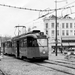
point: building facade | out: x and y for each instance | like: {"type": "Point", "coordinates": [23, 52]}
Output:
{"type": "Point", "coordinates": [65, 30]}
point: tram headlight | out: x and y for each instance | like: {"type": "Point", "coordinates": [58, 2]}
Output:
{"type": "Point", "coordinates": [44, 52]}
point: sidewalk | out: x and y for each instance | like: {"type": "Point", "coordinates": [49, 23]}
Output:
{"type": "Point", "coordinates": [58, 57]}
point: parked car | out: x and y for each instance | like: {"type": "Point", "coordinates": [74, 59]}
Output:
{"type": "Point", "coordinates": [69, 52]}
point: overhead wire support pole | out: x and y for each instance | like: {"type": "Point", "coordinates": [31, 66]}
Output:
{"type": "Point", "coordinates": [56, 27]}
{"type": "Point", "coordinates": [56, 40]}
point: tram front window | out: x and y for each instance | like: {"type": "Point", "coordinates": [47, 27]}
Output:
{"type": "Point", "coordinates": [42, 42]}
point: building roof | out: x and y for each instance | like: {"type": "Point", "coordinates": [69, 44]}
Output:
{"type": "Point", "coordinates": [52, 17]}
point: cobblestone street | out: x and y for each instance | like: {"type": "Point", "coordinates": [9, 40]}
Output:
{"type": "Point", "coordinates": [56, 66]}
{"type": "Point", "coordinates": [12, 66]}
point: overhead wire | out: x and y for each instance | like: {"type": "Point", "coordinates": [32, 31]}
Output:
{"type": "Point", "coordinates": [32, 9]}
{"type": "Point", "coordinates": [70, 7]}
{"type": "Point", "coordinates": [53, 11]}
{"type": "Point", "coordinates": [64, 7]}
{"type": "Point", "coordinates": [68, 4]}
{"type": "Point", "coordinates": [25, 8]}
{"type": "Point", "coordinates": [44, 16]}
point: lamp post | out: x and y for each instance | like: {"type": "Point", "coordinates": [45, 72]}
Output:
{"type": "Point", "coordinates": [56, 27]}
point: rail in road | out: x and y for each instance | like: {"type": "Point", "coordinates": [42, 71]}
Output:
{"type": "Point", "coordinates": [1, 72]}
{"type": "Point", "coordinates": [58, 66]}
{"type": "Point", "coordinates": [65, 62]}
{"type": "Point", "coordinates": [68, 65]}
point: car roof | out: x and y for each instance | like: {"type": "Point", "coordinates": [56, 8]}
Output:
{"type": "Point", "coordinates": [70, 50]}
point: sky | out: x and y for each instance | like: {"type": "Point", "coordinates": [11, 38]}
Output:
{"type": "Point", "coordinates": [11, 17]}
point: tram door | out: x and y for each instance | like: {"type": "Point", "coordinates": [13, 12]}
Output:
{"type": "Point", "coordinates": [17, 49]}
{"type": "Point", "coordinates": [3, 45]}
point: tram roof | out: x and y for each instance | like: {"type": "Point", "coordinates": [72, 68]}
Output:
{"type": "Point", "coordinates": [34, 34]}
{"type": "Point", "coordinates": [29, 35]}
{"type": "Point", "coordinates": [25, 35]}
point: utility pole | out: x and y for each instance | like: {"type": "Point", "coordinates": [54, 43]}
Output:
{"type": "Point", "coordinates": [22, 27]}
{"type": "Point", "coordinates": [56, 41]}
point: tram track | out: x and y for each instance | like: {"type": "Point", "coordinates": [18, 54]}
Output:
{"type": "Point", "coordinates": [61, 64]}
{"type": "Point", "coordinates": [52, 65]}
{"type": "Point", "coordinates": [1, 72]}
{"type": "Point", "coordinates": [64, 62]}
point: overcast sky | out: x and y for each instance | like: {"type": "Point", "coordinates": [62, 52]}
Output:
{"type": "Point", "coordinates": [11, 17]}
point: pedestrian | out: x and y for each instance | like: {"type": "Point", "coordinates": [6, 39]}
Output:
{"type": "Point", "coordinates": [68, 55]}
{"type": "Point", "coordinates": [61, 49]}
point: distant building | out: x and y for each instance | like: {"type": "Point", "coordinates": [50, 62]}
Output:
{"type": "Point", "coordinates": [65, 31]}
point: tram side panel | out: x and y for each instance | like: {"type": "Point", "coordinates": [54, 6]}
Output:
{"type": "Point", "coordinates": [28, 49]}
{"type": "Point", "coordinates": [23, 47]}
{"type": "Point", "coordinates": [8, 50]}
{"type": "Point", "coordinates": [23, 52]}
{"type": "Point", "coordinates": [32, 48]}
{"type": "Point", "coordinates": [33, 52]}
{"type": "Point", "coordinates": [14, 48]}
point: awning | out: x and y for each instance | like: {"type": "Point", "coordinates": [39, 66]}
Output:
{"type": "Point", "coordinates": [68, 44]}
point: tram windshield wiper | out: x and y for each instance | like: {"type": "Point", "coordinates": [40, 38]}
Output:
{"type": "Point", "coordinates": [40, 44]}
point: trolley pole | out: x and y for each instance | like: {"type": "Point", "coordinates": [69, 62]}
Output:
{"type": "Point", "coordinates": [56, 27]}
{"type": "Point", "coordinates": [22, 27]}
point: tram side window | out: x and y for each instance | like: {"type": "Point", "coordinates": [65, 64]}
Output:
{"type": "Point", "coordinates": [14, 44]}
{"type": "Point", "coordinates": [32, 43]}
{"type": "Point", "coordinates": [29, 43]}
{"type": "Point", "coordinates": [5, 44]}
{"type": "Point", "coordinates": [25, 42]}
{"type": "Point", "coordinates": [10, 44]}
{"type": "Point", "coordinates": [21, 43]}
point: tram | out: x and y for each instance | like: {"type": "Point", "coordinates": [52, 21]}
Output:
{"type": "Point", "coordinates": [7, 47]}
{"type": "Point", "coordinates": [33, 45]}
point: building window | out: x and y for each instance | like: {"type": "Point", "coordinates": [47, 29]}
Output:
{"type": "Point", "coordinates": [66, 25]}
{"type": "Point", "coordinates": [46, 25]}
{"type": "Point", "coordinates": [67, 32]}
{"type": "Point", "coordinates": [63, 32]}
{"type": "Point", "coordinates": [57, 24]}
{"type": "Point", "coordinates": [71, 31]}
{"type": "Point", "coordinates": [74, 32]}
{"type": "Point", "coordinates": [46, 32]}
{"type": "Point", "coordinates": [74, 25]}
{"type": "Point", "coordinates": [52, 32]}
{"type": "Point", "coordinates": [52, 25]}
{"type": "Point", "coordinates": [63, 25]}
{"type": "Point", "coordinates": [57, 32]}
{"type": "Point", "coordinates": [70, 25]}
